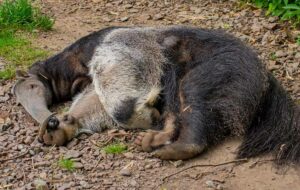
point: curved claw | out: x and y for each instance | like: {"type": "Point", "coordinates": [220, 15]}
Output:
{"type": "Point", "coordinates": [53, 123]}
{"type": "Point", "coordinates": [43, 127]}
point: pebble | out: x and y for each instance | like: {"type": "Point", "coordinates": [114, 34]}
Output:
{"type": "Point", "coordinates": [211, 184]}
{"type": "Point", "coordinates": [84, 184]}
{"type": "Point", "coordinates": [133, 183]}
{"type": "Point", "coordinates": [20, 147]}
{"type": "Point", "coordinates": [28, 140]}
{"type": "Point", "coordinates": [128, 155]}
{"type": "Point", "coordinates": [178, 163]}
{"type": "Point", "coordinates": [73, 143]}
{"type": "Point", "coordinates": [4, 98]}
{"type": "Point", "coordinates": [158, 17]}
{"type": "Point", "coordinates": [270, 26]}
{"type": "Point", "coordinates": [148, 166]}
{"type": "Point", "coordinates": [40, 184]}
{"type": "Point", "coordinates": [280, 53]}
{"type": "Point", "coordinates": [72, 154]}
{"type": "Point", "coordinates": [5, 124]}
{"type": "Point", "coordinates": [78, 165]}
{"type": "Point", "coordinates": [124, 19]}
{"type": "Point", "coordinates": [125, 172]}
{"type": "Point", "coordinates": [66, 186]}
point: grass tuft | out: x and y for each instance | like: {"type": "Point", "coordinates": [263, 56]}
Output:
{"type": "Point", "coordinates": [273, 56]}
{"type": "Point", "coordinates": [67, 164]}
{"type": "Point", "coordinates": [20, 14]}
{"type": "Point", "coordinates": [15, 46]}
{"type": "Point", "coordinates": [115, 148]}
{"type": "Point", "coordinates": [18, 51]}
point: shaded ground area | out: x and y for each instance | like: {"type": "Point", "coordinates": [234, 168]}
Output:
{"type": "Point", "coordinates": [96, 170]}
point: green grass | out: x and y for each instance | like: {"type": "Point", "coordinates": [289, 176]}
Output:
{"type": "Point", "coordinates": [18, 18]}
{"type": "Point", "coordinates": [18, 51]}
{"type": "Point", "coordinates": [273, 56]}
{"type": "Point", "coordinates": [298, 40]}
{"type": "Point", "coordinates": [66, 164]}
{"type": "Point", "coordinates": [115, 148]}
{"type": "Point", "coordinates": [20, 14]}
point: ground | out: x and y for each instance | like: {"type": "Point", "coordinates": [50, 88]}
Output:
{"type": "Point", "coordinates": [35, 164]}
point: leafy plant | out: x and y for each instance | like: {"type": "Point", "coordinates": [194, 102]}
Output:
{"type": "Point", "coordinates": [115, 148]}
{"type": "Point", "coordinates": [273, 56]}
{"type": "Point", "coordinates": [298, 40]}
{"type": "Point", "coordinates": [67, 164]}
{"type": "Point", "coordinates": [21, 14]}
{"type": "Point", "coordinates": [285, 9]}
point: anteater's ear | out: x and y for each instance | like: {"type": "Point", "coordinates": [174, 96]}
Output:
{"type": "Point", "coordinates": [21, 74]}
{"type": "Point", "coordinates": [171, 42]}
{"type": "Point", "coordinates": [179, 48]}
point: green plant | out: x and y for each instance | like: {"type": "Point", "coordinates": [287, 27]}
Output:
{"type": "Point", "coordinates": [21, 14]}
{"type": "Point", "coordinates": [115, 148]}
{"type": "Point", "coordinates": [66, 164]}
{"type": "Point", "coordinates": [18, 51]}
{"type": "Point", "coordinates": [285, 9]}
{"type": "Point", "coordinates": [298, 40]}
{"type": "Point", "coordinates": [273, 56]}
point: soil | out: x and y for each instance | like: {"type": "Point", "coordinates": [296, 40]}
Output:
{"type": "Point", "coordinates": [26, 164]}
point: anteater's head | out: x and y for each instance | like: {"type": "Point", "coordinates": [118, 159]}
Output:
{"type": "Point", "coordinates": [33, 94]}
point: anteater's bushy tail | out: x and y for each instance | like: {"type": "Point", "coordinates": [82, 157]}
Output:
{"type": "Point", "coordinates": [275, 129]}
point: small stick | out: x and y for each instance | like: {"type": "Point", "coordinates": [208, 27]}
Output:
{"type": "Point", "coordinates": [206, 165]}
{"type": "Point", "coordinates": [15, 157]}
{"type": "Point", "coordinates": [96, 164]}
{"type": "Point", "coordinates": [6, 186]}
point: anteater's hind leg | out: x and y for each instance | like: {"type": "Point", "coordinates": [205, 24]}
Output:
{"type": "Point", "coordinates": [216, 98]}
{"type": "Point", "coordinates": [153, 139]}
{"type": "Point", "coordinates": [188, 126]}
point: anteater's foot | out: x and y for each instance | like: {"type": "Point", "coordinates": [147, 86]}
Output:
{"type": "Point", "coordinates": [58, 130]}
{"type": "Point", "coordinates": [178, 151]}
{"type": "Point", "coordinates": [152, 140]}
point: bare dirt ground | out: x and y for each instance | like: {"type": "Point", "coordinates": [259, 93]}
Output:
{"type": "Point", "coordinates": [37, 164]}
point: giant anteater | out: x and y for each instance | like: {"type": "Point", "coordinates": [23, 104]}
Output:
{"type": "Point", "coordinates": [198, 85]}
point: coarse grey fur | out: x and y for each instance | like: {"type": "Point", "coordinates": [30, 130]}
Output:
{"type": "Point", "coordinates": [210, 83]}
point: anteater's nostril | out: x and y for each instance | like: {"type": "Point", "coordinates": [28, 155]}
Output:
{"type": "Point", "coordinates": [53, 123]}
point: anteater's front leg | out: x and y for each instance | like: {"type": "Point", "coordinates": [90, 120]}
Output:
{"type": "Point", "coordinates": [86, 115]}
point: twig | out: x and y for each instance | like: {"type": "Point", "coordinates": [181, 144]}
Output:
{"type": "Point", "coordinates": [96, 164]}
{"type": "Point", "coordinates": [15, 157]}
{"type": "Point", "coordinates": [206, 165]}
{"type": "Point", "coordinates": [6, 186]}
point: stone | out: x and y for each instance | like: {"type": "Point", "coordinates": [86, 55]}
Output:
{"type": "Point", "coordinates": [124, 19]}
{"type": "Point", "coordinates": [158, 17]}
{"type": "Point", "coordinates": [73, 143]}
{"type": "Point", "coordinates": [270, 26]}
{"type": "Point", "coordinates": [72, 154]}
{"type": "Point", "coordinates": [280, 53]}
{"type": "Point", "coordinates": [128, 155]}
{"type": "Point", "coordinates": [40, 184]}
{"type": "Point", "coordinates": [84, 184]}
{"type": "Point", "coordinates": [211, 184]}
{"type": "Point", "coordinates": [28, 140]}
{"type": "Point", "coordinates": [78, 165]}
{"type": "Point", "coordinates": [125, 172]}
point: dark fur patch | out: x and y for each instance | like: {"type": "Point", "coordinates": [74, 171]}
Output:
{"type": "Point", "coordinates": [227, 91]}
{"type": "Point", "coordinates": [125, 111]}
{"type": "Point", "coordinates": [64, 68]}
